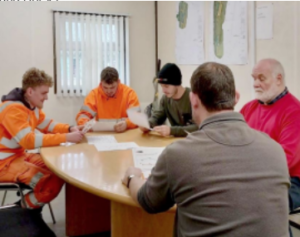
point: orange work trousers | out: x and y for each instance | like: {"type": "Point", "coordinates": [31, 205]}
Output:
{"type": "Point", "coordinates": [32, 171]}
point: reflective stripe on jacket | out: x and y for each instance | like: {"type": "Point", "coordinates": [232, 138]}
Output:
{"type": "Point", "coordinates": [22, 128]}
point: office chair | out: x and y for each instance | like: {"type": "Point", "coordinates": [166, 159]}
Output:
{"type": "Point", "coordinates": [20, 188]}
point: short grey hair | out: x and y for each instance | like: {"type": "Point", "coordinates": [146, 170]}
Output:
{"type": "Point", "coordinates": [214, 84]}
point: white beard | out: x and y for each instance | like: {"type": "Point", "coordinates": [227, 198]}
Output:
{"type": "Point", "coordinates": [266, 96]}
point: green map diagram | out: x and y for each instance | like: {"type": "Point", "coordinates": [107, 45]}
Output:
{"type": "Point", "coordinates": [182, 14]}
{"type": "Point", "coordinates": [219, 12]}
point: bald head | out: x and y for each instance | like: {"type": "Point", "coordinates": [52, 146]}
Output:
{"type": "Point", "coordinates": [268, 75]}
{"type": "Point", "coordinates": [273, 65]}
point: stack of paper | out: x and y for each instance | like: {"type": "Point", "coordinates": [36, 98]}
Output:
{"type": "Point", "coordinates": [145, 158]}
{"type": "Point", "coordinates": [109, 143]}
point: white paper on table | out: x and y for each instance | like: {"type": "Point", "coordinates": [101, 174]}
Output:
{"type": "Point", "coordinates": [138, 118]}
{"type": "Point", "coordinates": [101, 139]}
{"type": "Point", "coordinates": [264, 21]}
{"type": "Point", "coordinates": [67, 144]}
{"type": "Point", "coordinates": [115, 146]}
{"type": "Point", "coordinates": [104, 126]}
{"type": "Point", "coordinates": [145, 158]}
{"type": "Point", "coordinates": [34, 151]}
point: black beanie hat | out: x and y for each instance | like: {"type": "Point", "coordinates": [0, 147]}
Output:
{"type": "Point", "coordinates": [170, 74]}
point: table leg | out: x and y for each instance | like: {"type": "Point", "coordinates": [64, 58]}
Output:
{"type": "Point", "coordinates": [85, 213]}
{"type": "Point", "coordinates": [134, 222]}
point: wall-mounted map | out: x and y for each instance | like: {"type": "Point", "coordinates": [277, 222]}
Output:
{"type": "Point", "coordinates": [219, 16]}
{"type": "Point", "coordinates": [189, 32]}
{"type": "Point", "coordinates": [182, 14]}
{"type": "Point", "coordinates": [228, 41]}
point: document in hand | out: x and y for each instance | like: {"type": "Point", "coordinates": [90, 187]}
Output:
{"type": "Point", "coordinates": [145, 158]}
{"type": "Point", "coordinates": [100, 126]}
{"type": "Point", "coordinates": [138, 118]}
{"type": "Point", "coordinates": [88, 126]}
{"type": "Point", "coordinates": [104, 126]}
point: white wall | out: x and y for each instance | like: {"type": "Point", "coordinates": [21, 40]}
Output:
{"type": "Point", "coordinates": [284, 45]}
{"type": "Point", "coordinates": [27, 41]}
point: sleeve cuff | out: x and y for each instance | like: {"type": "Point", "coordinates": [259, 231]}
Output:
{"type": "Point", "coordinates": [144, 201]}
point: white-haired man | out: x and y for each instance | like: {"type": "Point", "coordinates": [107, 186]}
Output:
{"type": "Point", "coordinates": [276, 112]}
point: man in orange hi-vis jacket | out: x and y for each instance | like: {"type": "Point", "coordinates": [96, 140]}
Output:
{"type": "Point", "coordinates": [109, 102]}
{"type": "Point", "coordinates": [23, 126]}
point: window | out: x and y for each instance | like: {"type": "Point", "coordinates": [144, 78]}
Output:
{"type": "Point", "coordinates": [84, 45]}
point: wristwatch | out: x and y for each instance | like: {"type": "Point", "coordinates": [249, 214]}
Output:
{"type": "Point", "coordinates": [129, 179]}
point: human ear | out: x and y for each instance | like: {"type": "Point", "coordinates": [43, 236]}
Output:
{"type": "Point", "coordinates": [194, 100]}
{"type": "Point", "coordinates": [237, 97]}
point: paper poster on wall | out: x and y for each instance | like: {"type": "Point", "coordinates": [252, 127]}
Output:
{"type": "Point", "coordinates": [228, 41]}
{"type": "Point", "coordinates": [189, 32]}
{"type": "Point", "coordinates": [264, 21]}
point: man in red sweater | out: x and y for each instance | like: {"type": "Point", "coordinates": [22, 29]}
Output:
{"type": "Point", "coordinates": [276, 112]}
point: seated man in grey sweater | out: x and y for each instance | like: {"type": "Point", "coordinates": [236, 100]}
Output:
{"type": "Point", "coordinates": [174, 105]}
{"type": "Point", "coordinates": [226, 178]}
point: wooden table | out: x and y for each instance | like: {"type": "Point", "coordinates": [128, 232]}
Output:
{"type": "Point", "coordinates": [96, 200]}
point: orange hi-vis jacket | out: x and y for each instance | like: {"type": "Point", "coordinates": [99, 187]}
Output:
{"type": "Point", "coordinates": [98, 104]}
{"type": "Point", "coordinates": [22, 128]}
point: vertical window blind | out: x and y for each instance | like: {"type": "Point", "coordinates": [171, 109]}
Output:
{"type": "Point", "coordinates": [84, 44]}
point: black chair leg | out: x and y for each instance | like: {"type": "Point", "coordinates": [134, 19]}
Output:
{"type": "Point", "coordinates": [23, 203]}
{"type": "Point", "coordinates": [51, 212]}
{"type": "Point", "coordinates": [4, 197]}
